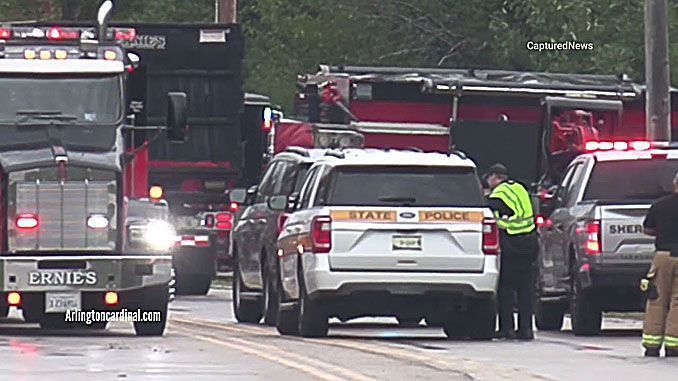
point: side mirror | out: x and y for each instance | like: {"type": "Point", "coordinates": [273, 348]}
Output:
{"type": "Point", "coordinates": [278, 203]}
{"type": "Point", "coordinates": [547, 195]}
{"type": "Point", "coordinates": [177, 109]}
{"type": "Point", "coordinates": [251, 194]}
{"type": "Point", "coordinates": [292, 201]}
{"type": "Point", "coordinates": [238, 195]}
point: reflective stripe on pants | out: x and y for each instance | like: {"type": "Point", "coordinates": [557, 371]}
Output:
{"type": "Point", "coordinates": [661, 314]}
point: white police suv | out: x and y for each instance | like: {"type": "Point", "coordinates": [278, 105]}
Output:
{"type": "Point", "coordinates": [388, 233]}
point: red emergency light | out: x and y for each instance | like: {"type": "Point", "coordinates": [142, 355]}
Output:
{"type": "Point", "coordinates": [594, 145]}
{"type": "Point", "coordinates": [56, 33]}
{"type": "Point", "coordinates": [4, 33]}
{"type": "Point", "coordinates": [125, 33]}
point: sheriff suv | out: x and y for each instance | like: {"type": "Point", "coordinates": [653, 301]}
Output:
{"type": "Point", "coordinates": [593, 252]}
{"type": "Point", "coordinates": [388, 233]}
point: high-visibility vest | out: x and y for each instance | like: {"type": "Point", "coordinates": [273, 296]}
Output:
{"type": "Point", "coordinates": [516, 197]}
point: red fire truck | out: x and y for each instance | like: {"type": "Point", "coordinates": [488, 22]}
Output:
{"type": "Point", "coordinates": [534, 123]}
{"type": "Point", "coordinates": [78, 230]}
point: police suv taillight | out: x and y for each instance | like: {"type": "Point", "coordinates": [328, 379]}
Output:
{"type": "Point", "coordinates": [490, 237]}
{"type": "Point", "coordinates": [321, 234]}
{"type": "Point", "coordinates": [592, 244]}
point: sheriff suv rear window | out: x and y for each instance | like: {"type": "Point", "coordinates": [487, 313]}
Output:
{"type": "Point", "coordinates": [403, 186]}
{"type": "Point", "coordinates": [636, 180]}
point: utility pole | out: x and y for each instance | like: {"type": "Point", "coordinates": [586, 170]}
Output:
{"type": "Point", "coordinates": [658, 102]}
{"type": "Point", "coordinates": [227, 11]}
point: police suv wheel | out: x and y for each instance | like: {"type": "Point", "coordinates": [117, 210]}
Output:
{"type": "Point", "coordinates": [482, 318]}
{"type": "Point", "coordinates": [153, 299]}
{"type": "Point", "coordinates": [585, 313]}
{"type": "Point", "coordinates": [312, 319]}
{"type": "Point", "coordinates": [246, 311]}
{"type": "Point", "coordinates": [270, 296]}
{"type": "Point", "coordinates": [287, 321]}
{"type": "Point", "coordinates": [455, 327]}
{"type": "Point", "coordinates": [549, 316]}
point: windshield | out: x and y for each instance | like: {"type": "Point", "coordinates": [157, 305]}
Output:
{"type": "Point", "coordinates": [405, 186]}
{"type": "Point", "coordinates": [77, 99]}
{"type": "Point", "coordinates": [642, 180]}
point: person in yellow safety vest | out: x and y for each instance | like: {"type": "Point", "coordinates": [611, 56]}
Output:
{"type": "Point", "coordinates": [661, 283]}
{"type": "Point", "coordinates": [512, 207]}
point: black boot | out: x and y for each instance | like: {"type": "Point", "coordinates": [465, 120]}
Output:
{"type": "Point", "coordinates": [508, 335]}
{"type": "Point", "coordinates": [525, 335]}
{"type": "Point", "coordinates": [673, 352]}
{"type": "Point", "coordinates": [651, 352]}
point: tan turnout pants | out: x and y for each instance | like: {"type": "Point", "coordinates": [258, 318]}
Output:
{"type": "Point", "coordinates": [661, 314]}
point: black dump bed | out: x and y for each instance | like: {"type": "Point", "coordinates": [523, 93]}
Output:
{"type": "Point", "coordinates": [205, 62]}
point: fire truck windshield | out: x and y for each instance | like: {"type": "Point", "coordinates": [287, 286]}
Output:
{"type": "Point", "coordinates": [76, 99]}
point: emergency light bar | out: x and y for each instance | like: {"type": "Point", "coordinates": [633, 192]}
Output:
{"type": "Point", "coordinates": [55, 33]}
{"type": "Point", "coordinates": [324, 137]}
{"type": "Point", "coordinates": [594, 146]}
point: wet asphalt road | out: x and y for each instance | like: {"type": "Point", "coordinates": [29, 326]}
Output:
{"type": "Point", "coordinates": [203, 342]}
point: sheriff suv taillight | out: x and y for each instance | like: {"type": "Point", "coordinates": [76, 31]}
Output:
{"type": "Point", "coordinates": [592, 244]}
{"type": "Point", "coordinates": [321, 232]}
{"type": "Point", "coordinates": [490, 237]}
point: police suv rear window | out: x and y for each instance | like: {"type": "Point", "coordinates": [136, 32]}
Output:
{"type": "Point", "coordinates": [404, 186]}
{"type": "Point", "coordinates": [642, 180]}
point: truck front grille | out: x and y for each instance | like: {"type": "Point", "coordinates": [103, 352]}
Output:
{"type": "Point", "coordinates": [62, 209]}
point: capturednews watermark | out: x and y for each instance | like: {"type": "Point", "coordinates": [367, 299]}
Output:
{"type": "Point", "coordinates": [93, 316]}
{"type": "Point", "coordinates": [561, 46]}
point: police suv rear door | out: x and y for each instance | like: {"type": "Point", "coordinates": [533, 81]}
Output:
{"type": "Point", "coordinates": [414, 218]}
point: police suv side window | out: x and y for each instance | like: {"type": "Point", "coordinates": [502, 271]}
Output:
{"type": "Point", "coordinates": [307, 189]}
{"type": "Point", "coordinates": [284, 178]}
{"type": "Point", "coordinates": [573, 186]}
{"type": "Point", "coordinates": [265, 186]}
{"type": "Point", "coordinates": [564, 184]}
{"type": "Point", "coordinates": [322, 192]}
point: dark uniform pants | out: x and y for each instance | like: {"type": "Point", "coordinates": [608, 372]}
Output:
{"type": "Point", "coordinates": [516, 277]}
{"type": "Point", "coordinates": [661, 313]}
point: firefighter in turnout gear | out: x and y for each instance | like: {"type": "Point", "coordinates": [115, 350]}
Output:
{"type": "Point", "coordinates": [661, 283]}
{"type": "Point", "coordinates": [512, 207]}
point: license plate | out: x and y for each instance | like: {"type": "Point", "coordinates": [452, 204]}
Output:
{"type": "Point", "coordinates": [406, 242]}
{"type": "Point", "coordinates": [62, 301]}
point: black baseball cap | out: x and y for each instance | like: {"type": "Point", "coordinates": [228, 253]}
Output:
{"type": "Point", "coordinates": [496, 169]}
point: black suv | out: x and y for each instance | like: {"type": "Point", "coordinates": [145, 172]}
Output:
{"type": "Point", "coordinates": [253, 239]}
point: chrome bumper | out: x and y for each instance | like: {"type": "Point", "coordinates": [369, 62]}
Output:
{"type": "Point", "coordinates": [84, 273]}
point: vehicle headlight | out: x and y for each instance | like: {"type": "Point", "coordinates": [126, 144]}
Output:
{"type": "Point", "coordinates": [160, 235]}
